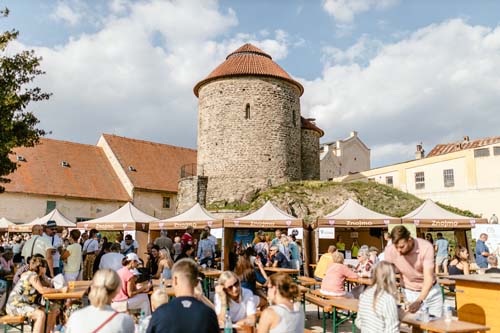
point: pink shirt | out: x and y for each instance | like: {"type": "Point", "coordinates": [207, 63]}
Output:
{"type": "Point", "coordinates": [125, 276]}
{"type": "Point", "coordinates": [411, 265]}
{"type": "Point", "coordinates": [333, 281]}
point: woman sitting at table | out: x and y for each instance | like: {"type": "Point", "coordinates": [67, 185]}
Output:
{"type": "Point", "coordinates": [364, 267]}
{"type": "Point", "coordinates": [460, 265]}
{"type": "Point", "coordinates": [105, 285]}
{"type": "Point", "coordinates": [26, 296]}
{"type": "Point", "coordinates": [136, 297]}
{"type": "Point", "coordinates": [165, 265]}
{"type": "Point", "coordinates": [378, 309]}
{"type": "Point", "coordinates": [333, 282]}
{"type": "Point", "coordinates": [241, 303]}
{"type": "Point", "coordinates": [284, 315]}
{"type": "Point", "coordinates": [249, 275]}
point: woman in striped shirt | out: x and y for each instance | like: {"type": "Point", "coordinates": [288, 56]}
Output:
{"type": "Point", "coordinates": [378, 309]}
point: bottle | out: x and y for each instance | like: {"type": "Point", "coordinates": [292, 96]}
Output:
{"type": "Point", "coordinates": [162, 282]}
{"type": "Point", "coordinates": [228, 324]}
{"type": "Point", "coordinates": [140, 326]}
{"type": "Point", "coordinates": [425, 313]}
{"type": "Point", "coordinates": [447, 315]}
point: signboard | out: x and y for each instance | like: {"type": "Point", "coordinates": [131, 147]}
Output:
{"type": "Point", "coordinates": [410, 226]}
{"type": "Point", "coordinates": [354, 234]}
{"type": "Point", "coordinates": [493, 232]}
{"type": "Point", "coordinates": [244, 237]}
{"type": "Point", "coordinates": [326, 233]}
{"type": "Point", "coordinates": [263, 224]}
{"type": "Point", "coordinates": [217, 232]}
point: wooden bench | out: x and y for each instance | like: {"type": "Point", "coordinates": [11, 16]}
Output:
{"type": "Point", "coordinates": [308, 281]}
{"type": "Point", "coordinates": [331, 304]}
{"type": "Point", "coordinates": [440, 326]}
{"type": "Point", "coordinates": [16, 322]}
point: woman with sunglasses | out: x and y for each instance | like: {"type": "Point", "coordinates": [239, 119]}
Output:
{"type": "Point", "coordinates": [240, 302]}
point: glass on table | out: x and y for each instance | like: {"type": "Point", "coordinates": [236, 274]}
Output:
{"type": "Point", "coordinates": [71, 285]}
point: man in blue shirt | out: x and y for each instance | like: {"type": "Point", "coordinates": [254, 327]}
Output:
{"type": "Point", "coordinates": [441, 248]}
{"type": "Point", "coordinates": [482, 251]}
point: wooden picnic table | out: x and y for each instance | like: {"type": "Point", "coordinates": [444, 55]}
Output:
{"type": "Point", "coordinates": [282, 270]}
{"type": "Point", "coordinates": [361, 280]}
{"type": "Point", "coordinates": [441, 326]}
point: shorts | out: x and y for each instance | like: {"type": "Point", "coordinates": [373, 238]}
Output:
{"type": "Point", "coordinates": [441, 261]}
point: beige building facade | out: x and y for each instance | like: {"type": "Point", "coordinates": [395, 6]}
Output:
{"type": "Point", "coordinates": [463, 174]}
{"type": "Point", "coordinates": [343, 157]}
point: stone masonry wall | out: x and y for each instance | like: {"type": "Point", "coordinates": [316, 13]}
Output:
{"type": "Point", "coordinates": [239, 155]}
{"type": "Point", "coordinates": [310, 154]}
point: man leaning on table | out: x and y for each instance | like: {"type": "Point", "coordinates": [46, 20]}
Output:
{"type": "Point", "coordinates": [414, 259]}
{"type": "Point", "coordinates": [482, 251]}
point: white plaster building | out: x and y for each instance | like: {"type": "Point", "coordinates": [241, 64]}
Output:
{"type": "Point", "coordinates": [343, 157]}
{"type": "Point", "coordinates": [463, 174]}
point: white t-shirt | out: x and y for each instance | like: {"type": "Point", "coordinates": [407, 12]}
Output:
{"type": "Point", "coordinates": [74, 260]}
{"type": "Point", "coordinates": [91, 245]}
{"type": "Point", "coordinates": [112, 261]}
{"type": "Point", "coordinates": [239, 311]}
{"type": "Point", "coordinates": [89, 318]}
{"type": "Point", "coordinates": [124, 246]}
{"type": "Point", "coordinates": [55, 242]}
{"type": "Point", "coordinates": [39, 244]}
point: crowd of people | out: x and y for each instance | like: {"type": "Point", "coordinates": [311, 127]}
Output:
{"type": "Point", "coordinates": [121, 281]}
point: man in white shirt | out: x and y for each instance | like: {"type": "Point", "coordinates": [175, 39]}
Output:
{"type": "Point", "coordinates": [113, 259]}
{"type": "Point", "coordinates": [129, 245]}
{"type": "Point", "coordinates": [38, 245]}
{"type": "Point", "coordinates": [50, 234]}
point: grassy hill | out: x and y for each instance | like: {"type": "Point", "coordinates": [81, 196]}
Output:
{"type": "Point", "coordinates": [311, 199]}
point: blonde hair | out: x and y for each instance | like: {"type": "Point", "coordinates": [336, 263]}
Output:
{"type": "Point", "coordinates": [104, 287]}
{"type": "Point", "coordinates": [159, 297]}
{"type": "Point", "coordinates": [338, 257]}
{"type": "Point", "coordinates": [384, 280]}
{"type": "Point", "coordinates": [225, 276]}
{"type": "Point", "coordinates": [187, 270]}
{"type": "Point", "coordinates": [166, 255]}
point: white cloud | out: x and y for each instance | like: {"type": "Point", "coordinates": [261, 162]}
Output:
{"type": "Point", "coordinates": [435, 86]}
{"type": "Point", "coordinates": [135, 75]}
{"type": "Point", "coordinates": [344, 10]}
{"type": "Point", "coordinates": [65, 13]}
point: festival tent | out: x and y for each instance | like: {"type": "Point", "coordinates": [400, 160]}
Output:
{"type": "Point", "coordinates": [128, 217]}
{"type": "Point", "coordinates": [430, 215]}
{"type": "Point", "coordinates": [351, 221]}
{"type": "Point", "coordinates": [55, 215]}
{"type": "Point", "coordinates": [196, 216]}
{"type": "Point", "coordinates": [267, 218]}
{"type": "Point", "coordinates": [4, 224]}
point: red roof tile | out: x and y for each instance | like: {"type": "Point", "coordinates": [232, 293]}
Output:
{"type": "Point", "coordinates": [446, 148]}
{"type": "Point", "coordinates": [248, 60]}
{"type": "Point", "coordinates": [308, 124]}
{"type": "Point", "coordinates": [157, 166]}
{"type": "Point", "coordinates": [89, 174]}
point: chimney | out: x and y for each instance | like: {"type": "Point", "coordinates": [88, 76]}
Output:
{"type": "Point", "coordinates": [354, 134]}
{"type": "Point", "coordinates": [466, 138]}
{"type": "Point", "coordinates": [420, 153]}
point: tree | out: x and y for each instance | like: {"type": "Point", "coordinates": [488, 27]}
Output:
{"type": "Point", "coordinates": [17, 125]}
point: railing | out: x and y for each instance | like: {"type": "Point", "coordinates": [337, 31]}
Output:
{"type": "Point", "coordinates": [189, 170]}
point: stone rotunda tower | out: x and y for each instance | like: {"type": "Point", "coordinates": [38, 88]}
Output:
{"type": "Point", "coordinates": [250, 127]}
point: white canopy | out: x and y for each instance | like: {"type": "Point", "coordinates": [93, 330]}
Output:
{"type": "Point", "coordinates": [4, 223]}
{"type": "Point", "coordinates": [267, 216]}
{"type": "Point", "coordinates": [55, 215]}
{"type": "Point", "coordinates": [352, 214]}
{"type": "Point", "coordinates": [124, 218]}
{"type": "Point", "coordinates": [430, 215]}
{"type": "Point", "coordinates": [196, 216]}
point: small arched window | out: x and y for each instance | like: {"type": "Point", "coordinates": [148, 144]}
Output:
{"type": "Point", "coordinates": [247, 111]}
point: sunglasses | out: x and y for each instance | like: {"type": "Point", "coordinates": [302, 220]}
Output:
{"type": "Point", "coordinates": [234, 285]}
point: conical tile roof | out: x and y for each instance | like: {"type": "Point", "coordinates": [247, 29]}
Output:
{"type": "Point", "coordinates": [248, 60]}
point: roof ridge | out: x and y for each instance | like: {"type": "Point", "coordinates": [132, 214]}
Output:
{"type": "Point", "coordinates": [148, 142]}
{"type": "Point", "coordinates": [68, 142]}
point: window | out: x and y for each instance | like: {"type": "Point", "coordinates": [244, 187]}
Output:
{"type": "Point", "coordinates": [419, 180]}
{"type": "Point", "coordinates": [247, 111]}
{"type": "Point", "coordinates": [83, 219]}
{"type": "Point", "coordinates": [481, 152]}
{"type": "Point", "coordinates": [166, 202]}
{"type": "Point", "coordinates": [496, 151]}
{"type": "Point", "coordinates": [448, 178]}
{"type": "Point", "coordinates": [51, 205]}
{"type": "Point", "coordinates": [389, 180]}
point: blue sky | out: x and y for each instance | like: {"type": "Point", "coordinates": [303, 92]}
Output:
{"type": "Point", "coordinates": [398, 72]}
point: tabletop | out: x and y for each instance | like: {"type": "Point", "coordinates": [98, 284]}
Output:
{"type": "Point", "coordinates": [441, 326]}
{"type": "Point", "coordinates": [211, 272]}
{"type": "Point", "coordinates": [365, 281]}
{"type": "Point", "coordinates": [281, 270]}
{"type": "Point", "coordinates": [77, 292]}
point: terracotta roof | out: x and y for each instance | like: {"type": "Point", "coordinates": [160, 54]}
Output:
{"type": "Point", "coordinates": [89, 174]}
{"type": "Point", "coordinates": [157, 166]}
{"type": "Point", "coordinates": [462, 145]}
{"type": "Point", "coordinates": [307, 124]}
{"type": "Point", "coordinates": [248, 60]}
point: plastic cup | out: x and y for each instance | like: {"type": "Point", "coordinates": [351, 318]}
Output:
{"type": "Point", "coordinates": [71, 284]}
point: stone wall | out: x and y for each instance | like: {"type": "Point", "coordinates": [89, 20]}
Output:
{"type": "Point", "coordinates": [249, 134]}
{"type": "Point", "coordinates": [310, 154]}
{"type": "Point", "coordinates": [190, 191]}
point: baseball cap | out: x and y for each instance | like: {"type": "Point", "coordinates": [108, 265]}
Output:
{"type": "Point", "coordinates": [373, 248]}
{"type": "Point", "coordinates": [132, 256]}
{"type": "Point", "coordinates": [51, 224]}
